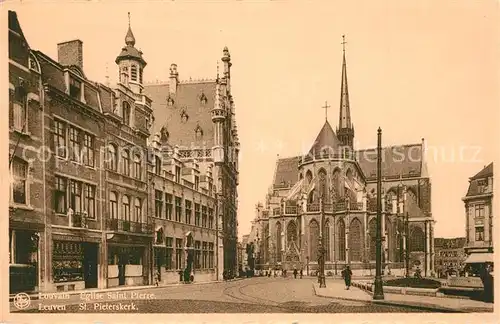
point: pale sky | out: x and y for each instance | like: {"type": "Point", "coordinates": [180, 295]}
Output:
{"type": "Point", "coordinates": [415, 68]}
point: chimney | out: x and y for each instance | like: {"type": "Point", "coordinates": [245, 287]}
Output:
{"type": "Point", "coordinates": [70, 53]}
{"type": "Point", "coordinates": [174, 78]}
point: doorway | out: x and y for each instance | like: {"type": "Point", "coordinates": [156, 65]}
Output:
{"type": "Point", "coordinates": [90, 262]}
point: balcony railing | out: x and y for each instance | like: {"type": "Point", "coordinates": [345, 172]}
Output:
{"type": "Point", "coordinates": [291, 210]}
{"type": "Point", "coordinates": [79, 220]}
{"type": "Point", "coordinates": [121, 225]}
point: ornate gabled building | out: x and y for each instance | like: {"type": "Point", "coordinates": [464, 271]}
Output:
{"type": "Point", "coordinates": [288, 225]}
{"type": "Point", "coordinates": [198, 117]}
{"type": "Point", "coordinates": [479, 219]}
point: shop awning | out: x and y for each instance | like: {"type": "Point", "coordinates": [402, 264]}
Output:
{"type": "Point", "coordinates": [479, 258]}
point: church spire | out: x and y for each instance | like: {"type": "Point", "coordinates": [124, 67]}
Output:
{"type": "Point", "coordinates": [345, 130]}
{"type": "Point", "coordinates": [129, 38]}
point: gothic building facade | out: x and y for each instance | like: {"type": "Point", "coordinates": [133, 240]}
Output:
{"type": "Point", "coordinates": [288, 226]}
{"type": "Point", "coordinates": [198, 119]}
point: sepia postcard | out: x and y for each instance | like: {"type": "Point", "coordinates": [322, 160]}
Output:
{"type": "Point", "coordinates": [249, 161]}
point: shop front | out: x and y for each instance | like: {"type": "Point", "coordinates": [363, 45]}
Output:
{"type": "Point", "coordinates": [23, 260]}
{"type": "Point", "coordinates": [75, 264]}
{"type": "Point", "coordinates": [128, 263]}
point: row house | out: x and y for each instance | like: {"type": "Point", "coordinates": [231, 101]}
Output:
{"type": "Point", "coordinates": [78, 162]}
{"type": "Point", "coordinates": [479, 220]}
{"type": "Point", "coordinates": [183, 207]}
{"type": "Point", "coordinates": [27, 174]}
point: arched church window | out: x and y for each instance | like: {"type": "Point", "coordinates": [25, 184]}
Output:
{"type": "Point", "coordinates": [417, 240]}
{"type": "Point", "coordinates": [126, 113]}
{"type": "Point", "coordinates": [309, 176]}
{"type": "Point", "coordinates": [311, 198]}
{"type": "Point", "coordinates": [279, 247]}
{"type": "Point", "coordinates": [349, 175]}
{"type": "Point", "coordinates": [337, 185]}
{"type": "Point", "coordinates": [291, 232]}
{"type": "Point", "coordinates": [133, 72]}
{"type": "Point", "coordinates": [372, 236]}
{"type": "Point", "coordinates": [355, 240]}
{"type": "Point", "coordinates": [327, 240]}
{"type": "Point", "coordinates": [313, 240]}
{"type": "Point", "coordinates": [341, 240]}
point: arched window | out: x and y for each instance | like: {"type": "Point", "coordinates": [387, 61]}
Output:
{"type": "Point", "coordinates": [126, 113]}
{"type": "Point", "coordinates": [266, 243]}
{"type": "Point", "coordinates": [19, 111]}
{"type": "Point", "coordinates": [327, 240]}
{"type": "Point", "coordinates": [309, 176]}
{"type": "Point", "coordinates": [313, 240]}
{"type": "Point", "coordinates": [341, 240]}
{"type": "Point", "coordinates": [372, 237]}
{"type": "Point", "coordinates": [137, 167]}
{"type": "Point", "coordinates": [157, 165]}
{"type": "Point", "coordinates": [126, 162]}
{"type": "Point", "coordinates": [113, 205]}
{"type": "Point", "coordinates": [112, 157]}
{"type": "Point", "coordinates": [337, 185]}
{"type": "Point", "coordinates": [322, 183]}
{"type": "Point", "coordinates": [417, 240]}
{"type": "Point", "coordinates": [279, 246]}
{"type": "Point", "coordinates": [138, 210]}
{"type": "Point", "coordinates": [311, 198]}
{"type": "Point", "coordinates": [355, 240]}
{"type": "Point", "coordinates": [125, 208]}
{"type": "Point", "coordinates": [291, 233]}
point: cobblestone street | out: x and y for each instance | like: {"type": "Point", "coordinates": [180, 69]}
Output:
{"type": "Point", "coordinates": [256, 295]}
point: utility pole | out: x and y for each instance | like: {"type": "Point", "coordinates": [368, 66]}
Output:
{"type": "Point", "coordinates": [378, 293]}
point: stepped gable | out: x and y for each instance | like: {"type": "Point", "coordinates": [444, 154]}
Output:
{"type": "Point", "coordinates": [400, 160]}
{"type": "Point", "coordinates": [182, 129]}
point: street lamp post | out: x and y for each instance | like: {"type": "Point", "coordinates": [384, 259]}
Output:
{"type": "Point", "coordinates": [407, 247]}
{"type": "Point", "coordinates": [378, 292]}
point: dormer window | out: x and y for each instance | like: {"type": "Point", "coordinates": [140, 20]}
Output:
{"type": "Point", "coordinates": [481, 185]}
{"type": "Point", "coordinates": [75, 88]}
{"type": "Point", "coordinates": [170, 101]}
{"type": "Point", "coordinates": [203, 99]}
{"type": "Point", "coordinates": [184, 116]}
{"type": "Point", "coordinates": [133, 73]}
{"type": "Point", "coordinates": [126, 113]}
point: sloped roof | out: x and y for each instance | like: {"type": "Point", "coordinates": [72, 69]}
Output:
{"type": "Point", "coordinates": [404, 160]}
{"type": "Point", "coordinates": [287, 171]}
{"type": "Point", "coordinates": [473, 189]}
{"type": "Point", "coordinates": [325, 139]}
{"type": "Point", "coordinates": [14, 24]}
{"type": "Point", "coordinates": [52, 74]}
{"type": "Point", "coordinates": [487, 171]}
{"type": "Point", "coordinates": [186, 99]}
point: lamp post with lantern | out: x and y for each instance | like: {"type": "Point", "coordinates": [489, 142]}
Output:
{"type": "Point", "coordinates": [378, 291]}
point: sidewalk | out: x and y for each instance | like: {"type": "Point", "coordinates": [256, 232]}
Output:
{"type": "Point", "coordinates": [336, 289]}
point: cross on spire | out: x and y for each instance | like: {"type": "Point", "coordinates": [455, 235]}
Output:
{"type": "Point", "coordinates": [343, 43]}
{"type": "Point", "coordinates": [129, 18]}
{"type": "Point", "coordinates": [325, 107]}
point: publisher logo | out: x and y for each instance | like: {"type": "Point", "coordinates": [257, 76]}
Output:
{"type": "Point", "coordinates": [22, 301]}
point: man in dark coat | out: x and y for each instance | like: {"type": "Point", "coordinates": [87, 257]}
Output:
{"type": "Point", "coordinates": [347, 274]}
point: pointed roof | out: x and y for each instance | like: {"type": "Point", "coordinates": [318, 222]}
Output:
{"type": "Point", "coordinates": [325, 139]}
{"type": "Point", "coordinates": [345, 111]}
{"type": "Point", "coordinates": [129, 51]}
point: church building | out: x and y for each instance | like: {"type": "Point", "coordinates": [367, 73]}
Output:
{"type": "Point", "coordinates": [287, 227]}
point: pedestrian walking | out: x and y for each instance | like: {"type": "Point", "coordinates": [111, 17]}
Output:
{"type": "Point", "coordinates": [347, 274]}
{"type": "Point", "coordinates": [295, 272]}
{"type": "Point", "coordinates": [301, 273]}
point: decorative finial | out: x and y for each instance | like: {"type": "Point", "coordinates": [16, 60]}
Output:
{"type": "Point", "coordinates": [343, 43]}
{"type": "Point", "coordinates": [326, 109]}
{"type": "Point", "coordinates": [129, 18]}
{"type": "Point", "coordinates": [217, 70]}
